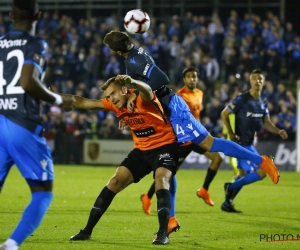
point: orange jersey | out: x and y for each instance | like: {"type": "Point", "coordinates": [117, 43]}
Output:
{"type": "Point", "coordinates": [194, 100]}
{"type": "Point", "coordinates": [149, 128]}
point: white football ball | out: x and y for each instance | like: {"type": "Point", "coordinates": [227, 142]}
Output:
{"type": "Point", "coordinates": [136, 22]}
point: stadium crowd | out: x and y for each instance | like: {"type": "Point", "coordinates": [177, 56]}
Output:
{"type": "Point", "coordinates": [224, 51]}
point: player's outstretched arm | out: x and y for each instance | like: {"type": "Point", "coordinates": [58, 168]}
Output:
{"type": "Point", "coordinates": [145, 90]}
{"type": "Point", "coordinates": [30, 82]}
{"type": "Point", "coordinates": [84, 103]}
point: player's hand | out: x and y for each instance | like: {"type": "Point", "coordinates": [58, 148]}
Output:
{"type": "Point", "coordinates": [131, 101]}
{"type": "Point", "coordinates": [283, 134]}
{"type": "Point", "coordinates": [124, 78]}
{"type": "Point", "coordinates": [68, 102]}
{"type": "Point", "coordinates": [122, 124]}
{"type": "Point", "coordinates": [234, 137]}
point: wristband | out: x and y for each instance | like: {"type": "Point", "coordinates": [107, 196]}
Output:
{"type": "Point", "coordinates": [58, 99]}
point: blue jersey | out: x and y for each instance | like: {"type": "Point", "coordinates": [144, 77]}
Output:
{"type": "Point", "coordinates": [21, 142]}
{"type": "Point", "coordinates": [141, 66]}
{"type": "Point", "coordinates": [19, 48]}
{"type": "Point", "coordinates": [250, 113]}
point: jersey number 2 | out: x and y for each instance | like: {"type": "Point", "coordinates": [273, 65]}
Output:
{"type": "Point", "coordinates": [11, 87]}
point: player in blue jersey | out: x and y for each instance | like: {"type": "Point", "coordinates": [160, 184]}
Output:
{"type": "Point", "coordinates": [141, 66]}
{"type": "Point", "coordinates": [251, 111]}
{"type": "Point", "coordinates": [21, 142]}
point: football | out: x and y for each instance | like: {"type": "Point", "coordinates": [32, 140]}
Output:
{"type": "Point", "coordinates": [136, 22]}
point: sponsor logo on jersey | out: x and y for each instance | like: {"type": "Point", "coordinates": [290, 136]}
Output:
{"type": "Point", "coordinates": [146, 69]}
{"type": "Point", "coordinates": [5, 44]}
{"type": "Point", "coordinates": [251, 114]}
{"type": "Point", "coordinates": [144, 132]}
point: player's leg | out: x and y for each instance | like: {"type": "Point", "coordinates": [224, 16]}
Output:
{"type": "Point", "coordinates": [120, 180]}
{"type": "Point", "coordinates": [235, 150]}
{"type": "Point", "coordinates": [164, 168]}
{"type": "Point", "coordinates": [173, 225]}
{"type": "Point", "coordinates": [146, 199]}
{"type": "Point", "coordinates": [249, 173]}
{"type": "Point", "coordinates": [215, 163]}
{"type": "Point", "coordinates": [162, 178]}
{"type": "Point", "coordinates": [234, 165]}
{"type": "Point", "coordinates": [33, 158]}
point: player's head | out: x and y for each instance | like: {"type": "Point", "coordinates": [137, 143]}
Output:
{"type": "Point", "coordinates": [118, 41]}
{"type": "Point", "coordinates": [116, 92]}
{"type": "Point", "coordinates": [257, 79]}
{"type": "Point", "coordinates": [190, 77]}
{"type": "Point", "coordinates": [25, 11]}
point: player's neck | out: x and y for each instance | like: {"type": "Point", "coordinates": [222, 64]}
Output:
{"type": "Point", "coordinates": [255, 93]}
{"type": "Point", "coordinates": [25, 26]}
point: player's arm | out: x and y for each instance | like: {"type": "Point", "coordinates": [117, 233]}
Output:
{"type": "Point", "coordinates": [157, 78]}
{"type": "Point", "coordinates": [30, 82]}
{"type": "Point", "coordinates": [270, 126]}
{"type": "Point", "coordinates": [84, 103]}
{"type": "Point", "coordinates": [144, 89]}
{"type": "Point", "coordinates": [225, 117]}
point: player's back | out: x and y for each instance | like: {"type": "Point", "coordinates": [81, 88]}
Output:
{"type": "Point", "coordinates": [139, 64]}
{"type": "Point", "coordinates": [19, 48]}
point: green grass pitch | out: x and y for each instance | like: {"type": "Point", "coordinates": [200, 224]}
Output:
{"type": "Point", "coordinates": [267, 209]}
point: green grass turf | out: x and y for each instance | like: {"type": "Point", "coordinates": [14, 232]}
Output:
{"type": "Point", "coordinates": [267, 209]}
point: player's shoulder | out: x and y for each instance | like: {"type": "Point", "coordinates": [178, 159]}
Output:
{"type": "Point", "coordinates": [243, 96]}
{"type": "Point", "coordinates": [38, 42]}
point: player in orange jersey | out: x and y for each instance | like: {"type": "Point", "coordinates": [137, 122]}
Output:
{"type": "Point", "coordinates": [155, 149]}
{"type": "Point", "coordinates": [193, 97]}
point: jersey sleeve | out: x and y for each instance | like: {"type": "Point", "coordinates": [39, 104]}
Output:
{"type": "Point", "coordinates": [236, 104]}
{"type": "Point", "coordinates": [35, 54]}
{"type": "Point", "coordinates": [266, 110]}
{"type": "Point", "coordinates": [142, 66]}
{"type": "Point", "coordinates": [108, 105]}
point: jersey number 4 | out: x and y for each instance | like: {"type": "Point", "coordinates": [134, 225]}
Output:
{"type": "Point", "coordinates": [11, 87]}
{"type": "Point", "coordinates": [179, 130]}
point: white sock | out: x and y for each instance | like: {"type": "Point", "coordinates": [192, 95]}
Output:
{"type": "Point", "coordinates": [11, 244]}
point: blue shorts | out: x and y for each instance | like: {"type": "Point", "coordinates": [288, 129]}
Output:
{"type": "Point", "coordinates": [25, 149]}
{"type": "Point", "coordinates": [246, 165]}
{"type": "Point", "coordinates": [184, 124]}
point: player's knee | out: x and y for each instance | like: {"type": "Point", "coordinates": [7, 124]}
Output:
{"type": "Point", "coordinates": [116, 184]}
{"type": "Point", "coordinates": [217, 159]}
{"type": "Point", "coordinates": [162, 182]}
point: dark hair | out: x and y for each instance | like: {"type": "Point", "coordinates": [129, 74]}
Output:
{"type": "Point", "coordinates": [257, 71]}
{"type": "Point", "coordinates": [189, 69]}
{"type": "Point", "coordinates": [118, 41]}
{"type": "Point", "coordinates": [112, 80]}
{"type": "Point", "coordinates": [25, 9]}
